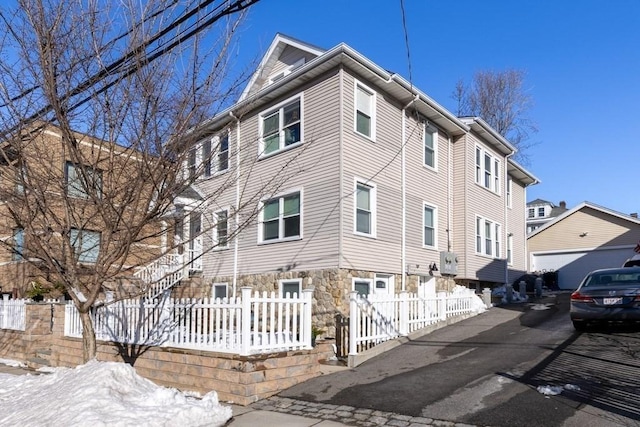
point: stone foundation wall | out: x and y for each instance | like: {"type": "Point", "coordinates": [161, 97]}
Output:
{"type": "Point", "coordinates": [238, 379]}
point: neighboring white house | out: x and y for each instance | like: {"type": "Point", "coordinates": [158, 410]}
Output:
{"type": "Point", "coordinates": [539, 212]}
{"type": "Point", "coordinates": [583, 239]}
{"type": "Point", "coordinates": [385, 189]}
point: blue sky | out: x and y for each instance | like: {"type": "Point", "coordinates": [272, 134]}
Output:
{"type": "Point", "coordinates": [582, 60]}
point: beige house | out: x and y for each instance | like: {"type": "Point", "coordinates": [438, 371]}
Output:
{"type": "Point", "coordinates": [583, 239]}
{"type": "Point", "coordinates": [379, 188]}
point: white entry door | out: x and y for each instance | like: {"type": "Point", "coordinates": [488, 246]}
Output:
{"type": "Point", "coordinates": [195, 241]}
{"type": "Point", "coordinates": [383, 284]}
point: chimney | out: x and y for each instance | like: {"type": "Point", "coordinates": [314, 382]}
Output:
{"type": "Point", "coordinates": [634, 215]}
{"type": "Point", "coordinates": [563, 204]}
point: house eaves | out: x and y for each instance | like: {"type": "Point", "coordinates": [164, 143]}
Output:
{"type": "Point", "coordinates": [579, 207]}
{"type": "Point", "coordinates": [521, 174]}
{"type": "Point", "coordinates": [489, 134]}
{"type": "Point", "coordinates": [391, 83]}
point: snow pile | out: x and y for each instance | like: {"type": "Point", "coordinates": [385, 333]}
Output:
{"type": "Point", "coordinates": [551, 390]}
{"type": "Point", "coordinates": [102, 394]}
{"type": "Point", "coordinates": [13, 363]}
{"type": "Point", "coordinates": [477, 305]}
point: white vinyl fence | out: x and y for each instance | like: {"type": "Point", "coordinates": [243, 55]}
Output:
{"type": "Point", "coordinates": [250, 324]}
{"type": "Point", "coordinates": [13, 313]}
{"type": "Point", "coordinates": [377, 318]}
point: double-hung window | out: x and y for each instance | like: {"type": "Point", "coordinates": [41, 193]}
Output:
{"type": "Point", "coordinates": [429, 226]}
{"type": "Point", "coordinates": [82, 181]}
{"type": "Point", "coordinates": [510, 249]}
{"type": "Point", "coordinates": [86, 245]}
{"type": "Point", "coordinates": [430, 146]}
{"type": "Point", "coordinates": [365, 111]}
{"type": "Point", "coordinates": [211, 155]}
{"type": "Point", "coordinates": [541, 211]}
{"type": "Point", "coordinates": [488, 237]}
{"type": "Point", "coordinates": [221, 229]}
{"type": "Point", "coordinates": [365, 209]}
{"type": "Point", "coordinates": [487, 170]}
{"type": "Point", "coordinates": [531, 213]}
{"type": "Point", "coordinates": [281, 127]}
{"type": "Point", "coordinates": [281, 218]}
{"type": "Point", "coordinates": [509, 192]}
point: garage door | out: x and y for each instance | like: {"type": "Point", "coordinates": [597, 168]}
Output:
{"type": "Point", "coordinates": [573, 266]}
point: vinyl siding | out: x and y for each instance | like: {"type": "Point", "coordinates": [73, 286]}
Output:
{"type": "Point", "coordinates": [311, 167]}
{"type": "Point", "coordinates": [477, 201]}
{"type": "Point", "coordinates": [289, 56]}
{"type": "Point", "coordinates": [379, 162]}
{"type": "Point", "coordinates": [603, 230]}
{"type": "Point", "coordinates": [517, 225]}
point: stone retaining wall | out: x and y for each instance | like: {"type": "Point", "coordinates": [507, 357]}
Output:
{"type": "Point", "coordinates": [238, 379]}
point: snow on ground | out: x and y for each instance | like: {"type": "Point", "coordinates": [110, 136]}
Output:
{"type": "Point", "coordinates": [102, 394]}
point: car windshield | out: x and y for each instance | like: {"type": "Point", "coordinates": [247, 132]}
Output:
{"type": "Point", "coordinates": [612, 279]}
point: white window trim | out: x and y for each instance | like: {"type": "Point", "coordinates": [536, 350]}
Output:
{"type": "Point", "coordinates": [373, 200]}
{"type": "Point", "coordinates": [361, 279]}
{"type": "Point", "coordinates": [281, 287]}
{"type": "Point", "coordinates": [374, 98]}
{"type": "Point", "coordinates": [281, 147]}
{"type": "Point", "coordinates": [216, 245]}
{"type": "Point", "coordinates": [509, 249]}
{"type": "Point", "coordinates": [494, 175]}
{"type": "Point", "coordinates": [435, 225]}
{"type": "Point", "coordinates": [428, 128]}
{"type": "Point", "coordinates": [509, 192]}
{"type": "Point", "coordinates": [261, 240]}
{"type": "Point", "coordinates": [495, 238]}
{"type": "Point", "coordinates": [219, 284]}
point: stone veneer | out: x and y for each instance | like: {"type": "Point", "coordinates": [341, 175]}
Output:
{"type": "Point", "coordinates": [238, 379]}
{"type": "Point", "coordinates": [331, 290]}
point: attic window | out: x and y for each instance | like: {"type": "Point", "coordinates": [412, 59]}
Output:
{"type": "Point", "coordinates": [275, 77]}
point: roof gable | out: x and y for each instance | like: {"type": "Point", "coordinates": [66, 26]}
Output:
{"type": "Point", "coordinates": [283, 56]}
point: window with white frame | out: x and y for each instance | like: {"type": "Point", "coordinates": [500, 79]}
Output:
{"type": "Point", "coordinates": [362, 286]}
{"type": "Point", "coordinates": [531, 212]}
{"type": "Point", "coordinates": [219, 290]}
{"type": "Point", "coordinates": [86, 245]}
{"type": "Point", "coordinates": [365, 209]}
{"type": "Point", "coordinates": [488, 237]}
{"type": "Point", "coordinates": [429, 226]}
{"type": "Point", "coordinates": [290, 287]}
{"type": "Point", "coordinates": [510, 249]}
{"type": "Point", "coordinates": [18, 244]}
{"type": "Point", "coordinates": [487, 170]}
{"type": "Point", "coordinates": [221, 229]}
{"type": "Point", "coordinates": [509, 192]}
{"type": "Point", "coordinates": [82, 180]}
{"type": "Point", "coordinates": [430, 146]}
{"type": "Point", "coordinates": [365, 111]}
{"type": "Point", "coordinates": [209, 157]}
{"type": "Point", "coordinates": [541, 211]}
{"type": "Point", "coordinates": [281, 218]}
{"type": "Point", "coordinates": [281, 127]}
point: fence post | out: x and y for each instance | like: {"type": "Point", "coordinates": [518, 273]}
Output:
{"type": "Point", "coordinates": [307, 295]}
{"type": "Point", "coordinates": [245, 338]}
{"type": "Point", "coordinates": [442, 305]}
{"type": "Point", "coordinates": [5, 310]}
{"type": "Point", "coordinates": [354, 317]}
{"type": "Point", "coordinates": [404, 313]}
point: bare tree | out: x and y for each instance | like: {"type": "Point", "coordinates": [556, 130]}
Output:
{"type": "Point", "coordinates": [100, 102]}
{"type": "Point", "coordinates": [500, 99]}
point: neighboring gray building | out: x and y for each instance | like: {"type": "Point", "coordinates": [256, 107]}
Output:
{"type": "Point", "coordinates": [385, 189]}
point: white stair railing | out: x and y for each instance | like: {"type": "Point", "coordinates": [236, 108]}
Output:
{"type": "Point", "coordinates": [161, 274]}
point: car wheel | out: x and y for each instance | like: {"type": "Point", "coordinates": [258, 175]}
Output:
{"type": "Point", "coordinates": [579, 325]}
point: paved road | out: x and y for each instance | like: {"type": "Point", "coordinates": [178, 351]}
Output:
{"type": "Point", "coordinates": [486, 371]}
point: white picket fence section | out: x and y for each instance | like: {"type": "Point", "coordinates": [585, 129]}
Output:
{"type": "Point", "coordinates": [161, 274]}
{"type": "Point", "coordinates": [249, 324]}
{"type": "Point", "coordinates": [13, 313]}
{"type": "Point", "coordinates": [377, 318]}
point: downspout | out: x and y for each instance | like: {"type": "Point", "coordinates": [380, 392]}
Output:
{"type": "Point", "coordinates": [340, 168]}
{"type": "Point", "coordinates": [403, 185]}
{"type": "Point", "coordinates": [237, 213]}
{"type": "Point", "coordinates": [505, 233]}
